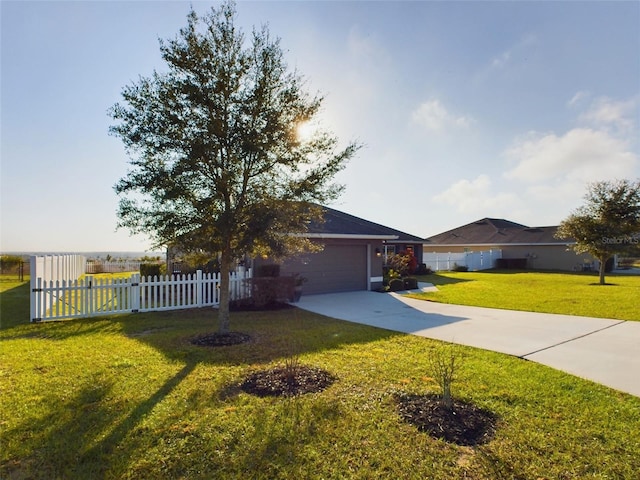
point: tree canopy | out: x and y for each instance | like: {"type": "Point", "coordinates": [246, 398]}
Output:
{"type": "Point", "coordinates": [608, 223]}
{"type": "Point", "coordinates": [216, 162]}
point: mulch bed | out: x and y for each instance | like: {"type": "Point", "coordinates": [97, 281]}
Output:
{"type": "Point", "coordinates": [234, 338]}
{"type": "Point", "coordinates": [287, 381]}
{"type": "Point", "coordinates": [220, 339]}
{"type": "Point", "coordinates": [465, 424]}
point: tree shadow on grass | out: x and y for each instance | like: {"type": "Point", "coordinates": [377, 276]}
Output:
{"type": "Point", "coordinates": [99, 430]}
{"type": "Point", "coordinates": [278, 439]}
{"type": "Point", "coordinates": [439, 279]}
{"type": "Point", "coordinates": [69, 441]}
{"type": "Point", "coordinates": [274, 335]}
{"type": "Point", "coordinates": [14, 306]}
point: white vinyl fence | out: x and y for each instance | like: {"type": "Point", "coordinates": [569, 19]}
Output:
{"type": "Point", "coordinates": [474, 261]}
{"type": "Point", "coordinates": [99, 266]}
{"type": "Point", "coordinates": [51, 269]}
{"type": "Point", "coordinates": [90, 296]}
{"type": "Point", "coordinates": [57, 267]}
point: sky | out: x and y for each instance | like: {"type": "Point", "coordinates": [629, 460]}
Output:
{"type": "Point", "coordinates": [466, 110]}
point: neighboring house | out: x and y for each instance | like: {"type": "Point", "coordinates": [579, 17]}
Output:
{"type": "Point", "coordinates": [522, 246]}
{"type": "Point", "coordinates": [352, 257]}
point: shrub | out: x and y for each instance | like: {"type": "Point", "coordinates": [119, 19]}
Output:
{"type": "Point", "coordinates": [267, 291]}
{"type": "Point", "coordinates": [444, 363]}
{"type": "Point", "coordinates": [423, 269]}
{"type": "Point", "coordinates": [269, 270]}
{"type": "Point", "coordinates": [396, 284]}
{"type": "Point", "coordinates": [399, 263]}
{"type": "Point", "coordinates": [152, 269]}
{"type": "Point", "coordinates": [410, 283]}
{"type": "Point", "coordinates": [11, 264]}
{"type": "Point", "coordinates": [389, 274]}
{"type": "Point", "coordinates": [460, 268]}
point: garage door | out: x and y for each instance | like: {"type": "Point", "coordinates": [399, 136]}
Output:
{"type": "Point", "coordinates": [338, 268]}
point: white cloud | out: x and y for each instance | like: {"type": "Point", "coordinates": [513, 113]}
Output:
{"type": "Point", "coordinates": [578, 98]}
{"type": "Point", "coordinates": [617, 115]}
{"type": "Point", "coordinates": [582, 154]}
{"type": "Point", "coordinates": [477, 196]}
{"type": "Point", "coordinates": [433, 116]}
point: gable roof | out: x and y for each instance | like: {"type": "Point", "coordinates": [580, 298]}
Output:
{"type": "Point", "coordinates": [338, 224]}
{"type": "Point", "coordinates": [496, 231]}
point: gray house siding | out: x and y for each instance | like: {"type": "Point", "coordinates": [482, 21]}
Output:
{"type": "Point", "coordinates": [343, 265]}
{"type": "Point", "coordinates": [352, 255]}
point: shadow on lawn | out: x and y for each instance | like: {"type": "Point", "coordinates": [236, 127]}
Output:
{"type": "Point", "coordinates": [274, 335]}
{"type": "Point", "coordinates": [87, 435]}
{"type": "Point", "coordinates": [438, 279]}
{"type": "Point", "coordinates": [14, 306]}
{"type": "Point", "coordinates": [68, 442]}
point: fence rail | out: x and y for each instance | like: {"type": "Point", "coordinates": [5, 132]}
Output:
{"type": "Point", "coordinates": [473, 261]}
{"type": "Point", "coordinates": [91, 296]}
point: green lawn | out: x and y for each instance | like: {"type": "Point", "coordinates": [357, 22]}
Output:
{"type": "Point", "coordinates": [567, 293]}
{"type": "Point", "coordinates": [130, 397]}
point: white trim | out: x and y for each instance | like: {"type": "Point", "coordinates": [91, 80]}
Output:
{"type": "Point", "coordinates": [398, 240]}
{"type": "Point", "coordinates": [353, 236]}
{"type": "Point", "coordinates": [498, 245]}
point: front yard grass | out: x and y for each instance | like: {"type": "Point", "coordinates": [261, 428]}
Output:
{"type": "Point", "coordinates": [130, 397]}
{"type": "Point", "coordinates": [547, 292]}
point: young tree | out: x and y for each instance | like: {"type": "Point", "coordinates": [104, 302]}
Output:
{"type": "Point", "coordinates": [217, 165]}
{"type": "Point", "coordinates": [609, 222]}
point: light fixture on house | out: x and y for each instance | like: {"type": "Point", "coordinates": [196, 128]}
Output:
{"type": "Point", "coordinates": [378, 252]}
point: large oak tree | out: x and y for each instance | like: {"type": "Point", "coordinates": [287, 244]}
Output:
{"type": "Point", "coordinates": [217, 165]}
{"type": "Point", "coordinates": [608, 223]}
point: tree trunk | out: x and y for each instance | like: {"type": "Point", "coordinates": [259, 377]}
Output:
{"type": "Point", "coordinates": [223, 308]}
{"type": "Point", "coordinates": [603, 266]}
{"type": "Point", "coordinates": [447, 399]}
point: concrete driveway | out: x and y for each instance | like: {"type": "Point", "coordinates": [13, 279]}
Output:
{"type": "Point", "coordinates": [605, 351]}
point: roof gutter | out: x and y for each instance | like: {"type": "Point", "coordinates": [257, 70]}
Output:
{"type": "Point", "coordinates": [499, 245]}
{"type": "Point", "coordinates": [349, 236]}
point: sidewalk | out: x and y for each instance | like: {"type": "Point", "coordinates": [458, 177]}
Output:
{"type": "Point", "coordinates": [605, 351]}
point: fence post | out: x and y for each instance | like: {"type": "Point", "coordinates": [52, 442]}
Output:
{"type": "Point", "coordinates": [36, 299]}
{"type": "Point", "coordinates": [199, 288]}
{"type": "Point", "coordinates": [135, 293]}
{"type": "Point", "coordinates": [246, 292]}
{"type": "Point", "coordinates": [88, 292]}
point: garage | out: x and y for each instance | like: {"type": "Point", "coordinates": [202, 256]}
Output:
{"type": "Point", "coordinates": [337, 268]}
{"type": "Point", "coordinates": [352, 255]}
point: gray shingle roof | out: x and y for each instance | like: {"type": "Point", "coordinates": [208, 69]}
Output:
{"type": "Point", "coordinates": [496, 231]}
{"type": "Point", "coordinates": [340, 223]}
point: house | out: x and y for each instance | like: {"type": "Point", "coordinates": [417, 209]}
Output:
{"type": "Point", "coordinates": [352, 257]}
{"type": "Point", "coordinates": [522, 246]}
